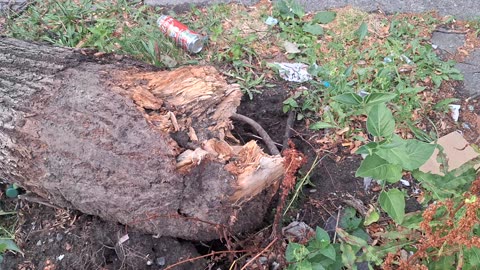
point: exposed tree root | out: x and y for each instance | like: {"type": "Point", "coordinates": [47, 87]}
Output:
{"type": "Point", "coordinates": [256, 126]}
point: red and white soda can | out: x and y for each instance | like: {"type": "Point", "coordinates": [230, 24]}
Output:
{"type": "Point", "coordinates": [184, 37]}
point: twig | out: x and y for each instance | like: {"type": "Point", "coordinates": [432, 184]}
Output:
{"type": "Point", "coordinates": [288, 129]}
{"type": "Point", "coordinates": [330, 176]}
{"type": "Point", "coordinates": [37, 199]}
{"type": "Point", "coordinates": [472, 97]}
{"type": "Point", "coordinates": [256, 126]}
{"type": "Point", "coordinates": [336, 225]}
{"type": "Point", "coordinates": [213, 253]}
{"type": "Point", "coordinates": [449, 31]}
{"type": "Point", "coordinates": [258, 255]}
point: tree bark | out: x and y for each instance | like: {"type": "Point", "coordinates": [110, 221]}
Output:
{"type": "Point", "coordinates": [149, 149]}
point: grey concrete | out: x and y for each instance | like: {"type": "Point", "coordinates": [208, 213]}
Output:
{"type": "Point", "coordinates": [463, 9]}
{"type": "Point", "coordinates": [448, 42]}
{"type": "Point", "coordinates": [471, 72]}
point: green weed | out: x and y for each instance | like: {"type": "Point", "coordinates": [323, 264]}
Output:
{"type": "Point", "coordinates": [8, 226]}
{"type": "Point", "coordinates": [124, 27]}
{"type": "Point", "coordinates": [400, 63]}
{"type": "Point", "coordinates": [445, 236]}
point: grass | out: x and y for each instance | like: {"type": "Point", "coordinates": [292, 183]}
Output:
{"type": "Point", "coordinates": [367, 53]}
{"type": "Point", "coordinates": [8, 227]}
{"type": "Point", "coordinates": [123, 27]}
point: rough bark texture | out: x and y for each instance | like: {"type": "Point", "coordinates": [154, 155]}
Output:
{"type": "Point", "coordinates": [99, 138]}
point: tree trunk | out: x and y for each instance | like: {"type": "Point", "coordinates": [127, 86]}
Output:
{"type": "Point", "coordinates": [145, 148]}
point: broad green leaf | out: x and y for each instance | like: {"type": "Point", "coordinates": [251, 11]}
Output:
{"type": "Point", "coordinates": [418, 152]}
{"type": "Point", "coordinates": [348, 71]}
{"type": "Point", "coordinates": [472, 258]}
{"type": "Point", "coordinates": [351, 239]}
{"type": "Point", "coordinates": [443, 263]}
{"type": "Point", "coordinates": [317, 266]}
{"type": "Point", "coordinates": [393, 202]}
{"type": "Point", "coordinates": [360, 233]}
{"type": "Point", "coordinates": [412, 220]}
{"type": "Point", "coordinates": [349, 220]}
{"type": "Point", "coordinates": [324, 17]}
{"type": "Point", "coordinates": [377, 168]}
{"type": "Point", "coordinates": [396, 155]}
{"type": "Point", "coordinates": [442, 187]}
{"type": "Point", "coordinates": [304, 265]}
{"type": "Point", "coordinates": [362, 31]}
{"type": "Point", "coordinates": [290, 8]}
{"type": "Point", "coordinates": [420, 134]}
{"type": "Point", "coordinates": [321, 125]}
{"type": "Point", "coordinates": [377, 98]}
{"type": "Point", "coordinates": [314, 29]}
{"type": "Point", "coordinates": [348, 99]}
{"type": "Point", "coordinates": [296, 252]}
{"type": "Point", "coordinates": [369, 148]}
{"type": "Point", "coordinates": [348, 255]}
{"type": "Point", "coordinates": [372, 216]}
{"type": "Point", "coordinates": [380, 121]}
{"type": "Point", "coordinates": [329, 252]}
{"type": "Point", "coordinates": [410, 154]}
{"type": "Point", "coordinates": [322, 235]}
{"type": "Point", "coordinates": [443, 104]}
{"type": "Point", "coordinates": [8, 244]}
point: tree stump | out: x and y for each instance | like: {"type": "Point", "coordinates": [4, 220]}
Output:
{"type": "Point", "coordinates": [149, 149]}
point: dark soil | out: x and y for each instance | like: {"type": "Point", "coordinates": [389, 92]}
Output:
{"type": "Point", "coordinates": [54, 239]}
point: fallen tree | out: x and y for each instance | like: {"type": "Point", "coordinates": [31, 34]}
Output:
{"type": "Point", "coordinates": [149, 149]}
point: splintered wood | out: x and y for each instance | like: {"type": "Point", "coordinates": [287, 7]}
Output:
{"type": "Point", "coordinates": [198, 102]}
{"type": "Point", "coordinates": [193, 99]}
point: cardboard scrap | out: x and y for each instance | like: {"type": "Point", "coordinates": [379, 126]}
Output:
{"type": "Point", "coordinates": [457, 151]}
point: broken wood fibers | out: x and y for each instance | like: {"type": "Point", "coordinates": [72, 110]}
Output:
{"type": "Point", "coordinates": [197, 101]}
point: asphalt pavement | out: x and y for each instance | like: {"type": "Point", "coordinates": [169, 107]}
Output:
{"type": "Point", "coordinates": [462, 9]}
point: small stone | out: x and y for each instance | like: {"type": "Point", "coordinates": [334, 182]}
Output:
{"type": "Point", "coordinates": [149, 263]}
{"type": "Point", "coordinates": [466, 126]}
{"type": "Point", "coordinates": [275, 266]}
{"type": "Point", "coordinates": [59, 237]}
{"type": "Point", "coordinates": [50, 240]}
{"type": "Point", "coordinates": [312, 190]}
{"type": "Point", "coordinates": [39, 243]}
{"type": "Point", "coordinates": [160, 261]}
{"type": "Point", "coordinates": [118, 57]}
{"type": "Point", "coordinates": [471, 108]}
{"type": "Point", "coordinates": [59, 258]}
{"type": "Point", "coordinates": [298, 231]}
{"type": "Point", "coordinates": [263, 260]}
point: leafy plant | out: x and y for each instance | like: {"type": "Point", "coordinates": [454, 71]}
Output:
{"type": "Point", "coordinates": [321, 253]}
{"type": "Point", "coordinates": [7, 242]}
